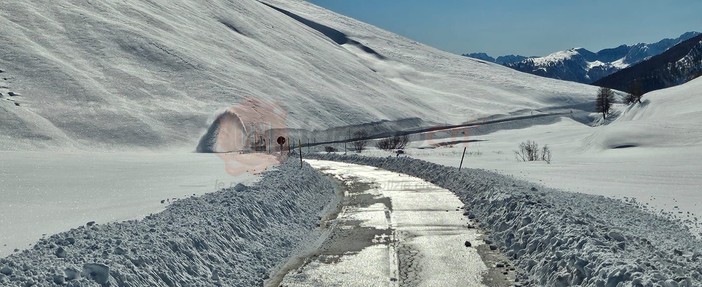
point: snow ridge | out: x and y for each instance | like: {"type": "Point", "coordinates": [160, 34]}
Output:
{"type": "Point", "coordinates": [561, 238]}
{"type": "Point", "coordinates": [232, 237]}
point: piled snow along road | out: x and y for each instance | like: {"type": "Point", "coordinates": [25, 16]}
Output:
{"type": "Point", "coordinates": [233, 237]}
{"type": "Point", "coordinates": [561, 238]}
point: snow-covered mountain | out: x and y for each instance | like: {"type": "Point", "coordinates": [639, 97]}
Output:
{"type": "Point", "coordinates": [677, 65]}
{"type": "Point", "coordinates": [584, 66]}
{"type": "Point", "coordinates": [502, 60]}
{"type": "Point", "coordinates": [130, 74]}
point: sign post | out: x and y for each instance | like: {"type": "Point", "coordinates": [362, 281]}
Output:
{"type": "Point", "coordinates": [281, 142]}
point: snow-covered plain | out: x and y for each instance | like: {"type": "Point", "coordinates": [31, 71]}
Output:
{"type": "Point", "coordinates": [46, 193]}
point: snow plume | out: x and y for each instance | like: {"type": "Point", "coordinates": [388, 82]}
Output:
{"type": "Point", "coordinates": [564, 239]}
{"type": "Point", "coordinates": [232, 237]}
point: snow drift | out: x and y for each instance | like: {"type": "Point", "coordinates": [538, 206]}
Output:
{"type": "Point", "coordinates": [233, 237]}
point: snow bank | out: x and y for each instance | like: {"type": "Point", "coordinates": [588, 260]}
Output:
{"type": "Point", "coordinates": [232, 237]}
{"type": "Point", "coordinates": [561, 238]}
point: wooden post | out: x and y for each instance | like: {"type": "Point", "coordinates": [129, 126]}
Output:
{"type": "Point", "coordinates": [464, 155]}
{"type": "Point", "coordinates": [300, 150]}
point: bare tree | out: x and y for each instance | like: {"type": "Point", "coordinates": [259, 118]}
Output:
{"type": "Point", "coordinates": [395, 142]}
{"type": "Point", "coordinates": [360, 140]}
{"type": "Point", "coordinates": [546, 154]}
{"type": "Point", "coordinates": [401, 140]}
{"type": "Point", "coordinates": [635, 93]}
{"type": "Point", "coordinates": [605, 99]}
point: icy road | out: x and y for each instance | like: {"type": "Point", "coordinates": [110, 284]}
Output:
{"type": "Point", "coordinates": [393, 230]}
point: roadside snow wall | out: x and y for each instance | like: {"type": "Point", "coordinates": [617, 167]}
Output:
{"type": "Point", "coordinates": [560, 238]}
{"type": "Point", "coordinates": [233, 237]}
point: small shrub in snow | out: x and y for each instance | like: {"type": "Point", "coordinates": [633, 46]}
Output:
{"type": "Point", "coordinates": [392, 143]}
{"type": "Point", "coordinates": [360, 140]}
{"type": "Point", "coordinates": [546, 154]}
{"type": "Point", "coordinates": [384, 144]}
{"type": "Point", "coordinates": [330, 149]}
{"type": "Point", "coordinates": [401, 142]}
{"type": "Point", "coordinates": [529, 151]}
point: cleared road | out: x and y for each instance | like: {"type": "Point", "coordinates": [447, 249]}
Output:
{"type": "Point", "coordinates": [394, 230]}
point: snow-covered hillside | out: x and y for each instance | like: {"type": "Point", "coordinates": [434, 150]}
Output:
{"type": "Point", "coordinates": [115, 75]}
{"type": "Point", "coordinates": [665, 118]}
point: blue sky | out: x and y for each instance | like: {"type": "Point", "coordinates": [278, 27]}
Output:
{"type": "Point", "coordinates": [526, 27]}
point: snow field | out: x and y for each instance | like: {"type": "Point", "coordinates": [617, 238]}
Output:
{"type": "Point", "coordinates": [50, 192]}
{"type": "Point", "coordinates": [232, 237]}
{"type": "Point", "coordinates": [561, 238]}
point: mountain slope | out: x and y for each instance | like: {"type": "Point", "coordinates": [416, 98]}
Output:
{"type": "Point", "coordinates": [129, 74]}
{"type": "Point", "coordinates": [675, 66]}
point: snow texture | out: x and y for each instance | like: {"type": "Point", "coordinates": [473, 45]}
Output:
{"type": "Point", "coordinates": [561, 238]}
{"type": "Point", "coordinates": [232, 237]}
{"type": "Point", "coordinates": [116, 75]}
{"type": "Point", "coordinates": [50, 192]}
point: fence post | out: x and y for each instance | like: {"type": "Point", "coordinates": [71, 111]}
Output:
{"type": "Point", "coordinates": [463, 156]}
{"type": "Point", "coordinates": [300, 150]}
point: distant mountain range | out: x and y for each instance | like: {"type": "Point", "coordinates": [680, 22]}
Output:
{"type": "Point", "coordinates": [502, 60]}
{"type": "Point", "coordinates": [677, 65]}
{"type": "Point", "coordinates": [582, 65]}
